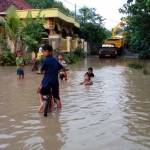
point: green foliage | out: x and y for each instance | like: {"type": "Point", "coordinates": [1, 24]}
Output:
{"type": "Point", "coordinates": [92, 28]}
{"type": "Point", "coordinates": [79, 52]}
{"type": "Point", "coordinates": [135, 65]}
{"type": "Point", "coordinates": [7, 59]}
{"type": "Point", "coordinates": [75, 56]}
{"type": "Point", "coordinates": [144, 54]}
{"type": "Point", "coordinates": [89, 15]}
{"type": "Point", "coordinates": [39, 4]}
{"type": "Point", "coordinates": [71, 58]}
{"type": "Point", "coordinates": [12, 25]}
{"type": "Point", "coordinates": [33, 32]}
{"type": "Point", "coordinates": [42, 4]}
{"type": "Point", "coordinates": [140, 66]}
{"type": "Point", "coordinates": [138, 23]}
{"type": "Point", "coordinates": [107, 33]}
{"type": "Point", "coordinates": [95, 35]}
{"type": "Point", "coordinates": [61, 7]}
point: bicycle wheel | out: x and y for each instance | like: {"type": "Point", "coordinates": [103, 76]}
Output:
{"type": "Point", "coordinates": [46, 105]}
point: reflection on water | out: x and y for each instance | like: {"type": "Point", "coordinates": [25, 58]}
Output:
{"type": "Point", "coordinates": [112, 114]}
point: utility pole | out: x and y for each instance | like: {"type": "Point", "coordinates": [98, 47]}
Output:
{"type": "Point", "coordinates": [75, 15]}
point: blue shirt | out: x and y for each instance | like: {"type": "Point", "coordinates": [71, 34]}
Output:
{"type": "Point", "coordinates": [51, 68]}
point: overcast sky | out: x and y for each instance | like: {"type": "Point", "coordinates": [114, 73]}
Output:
{"type": "Point", "coordinates": [107, 8]}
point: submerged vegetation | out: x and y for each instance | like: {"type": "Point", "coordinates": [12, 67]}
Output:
{"type": "Point", "coordinates": [139, 66]}
{"type": "Point", "coordinates": [135, 65]}
{"type": "Point", "coordinates": [74, 56]}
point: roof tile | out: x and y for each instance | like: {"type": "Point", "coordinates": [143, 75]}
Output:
{"type": "Point", "coordinates": [19, 4]}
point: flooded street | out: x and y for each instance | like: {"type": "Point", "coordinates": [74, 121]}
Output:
{"type": "Point", "coordinates": [112, 114]}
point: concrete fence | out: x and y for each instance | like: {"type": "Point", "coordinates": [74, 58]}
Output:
{"type": "Point", "coordinates": [67, 44]}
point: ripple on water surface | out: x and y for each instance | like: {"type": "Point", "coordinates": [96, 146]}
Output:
{"type": "Point", "coordinates": [112, 114]}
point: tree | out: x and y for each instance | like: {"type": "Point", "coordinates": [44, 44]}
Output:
{"type": "Point", "coordinates": [42, 4]}
{"type": "Point", "coordinates": [33, 32]}
{"type": "Point", "coordinates": [138, 23]}
{"type": "Point", "coordinates": [12, 27]}
{"type": "Point", "coordinates": [39, 4]}
{"type": "Point", "coordinates": [89, 15]}
{"type": "Point", "coordinates": [62, 8]}
{"type": "Point", "coordinates": [92, 28]}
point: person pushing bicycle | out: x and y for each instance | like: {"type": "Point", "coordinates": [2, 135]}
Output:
{"type": "Point", "coordinates": [51, 68]}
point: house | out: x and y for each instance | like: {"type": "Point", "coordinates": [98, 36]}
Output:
{"type": "Point", "coordinates": [63, 30]}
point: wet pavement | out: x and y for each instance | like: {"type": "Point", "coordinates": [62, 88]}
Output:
{"type": "Point", "coordinates": [112, 114]}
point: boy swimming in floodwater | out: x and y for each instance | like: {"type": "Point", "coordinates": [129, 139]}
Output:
{"type": "Point", "coordinates": [50, 83]}
{"type": "Point", "coordinates": [87, 80]}
{"type": "Point", "coordinates": [20, 65]}
{"type": "Point", "coordinates": [63, 72]}
{"type": "Point", "coordinates": [90, 72]}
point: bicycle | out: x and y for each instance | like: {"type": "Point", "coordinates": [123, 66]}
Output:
{"type": "Point", "coordinates": [49, 103]}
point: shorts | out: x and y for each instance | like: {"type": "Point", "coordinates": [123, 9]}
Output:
{"type": "Point", "coordinates": [46, 90]}
{"type": "Point", "coordinates": [51, 90]}
{"type": "Point", "coordinates": [20, 72]}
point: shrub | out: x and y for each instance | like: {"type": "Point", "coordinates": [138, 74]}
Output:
{"type": "Point", "coordinates": [71, 58]}
{"type": "Point", "coordinates": [145, 54]}
{"type": "Point", "coordinates": [75, 56]}
{"type": "Point", "coordinates": [145, 71]}
{"type": "Point", "coordinates": [7, 59]}
{"type": "Point", "coordinates": [79, 52]}
{"type": "Point", "coordinates": [135, 65]}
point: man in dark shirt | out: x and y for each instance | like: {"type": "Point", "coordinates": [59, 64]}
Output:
{"type": "Point", "coordinates": [51, 69]}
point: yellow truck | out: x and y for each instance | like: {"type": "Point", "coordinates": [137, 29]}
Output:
{"type": "Point", "coordinates": [117, 40]}
{"type": "Point", "coordinates": [118, 43]}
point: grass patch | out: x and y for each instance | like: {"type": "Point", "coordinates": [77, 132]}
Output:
{"type": "Point", "coordinates": [139, 66]}
{"type": "Point", "coordinates": [145, 71]}
{"type": "Point", "coordinates": [135, 65]}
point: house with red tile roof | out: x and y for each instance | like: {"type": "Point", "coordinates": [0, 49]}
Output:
{"type": "Point", "coordinates": [19, 4]}
{"type": "Point", "coordinates": [62, 30]}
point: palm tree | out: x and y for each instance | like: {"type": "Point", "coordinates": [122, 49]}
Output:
{"type": "Point", "coordinates": [12, 27]}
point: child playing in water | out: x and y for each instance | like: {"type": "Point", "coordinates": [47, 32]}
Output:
{"type": "Point", "coordinates": [87, 80]}
{"type": "Point", "coordinates": [62, 73]}
{"type": "Point", "coordinates": [50, 83]}
{"type": "Point", "coordinates": [90, 72]}
{"type": "Point", "coordinates": [20, 65]}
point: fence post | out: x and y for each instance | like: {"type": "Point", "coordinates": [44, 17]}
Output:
{"type": "Point", "coordinates": [68, 44]}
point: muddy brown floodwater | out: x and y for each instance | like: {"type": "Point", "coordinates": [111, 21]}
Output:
{"type": "Point", "coordinates": [113, 114]}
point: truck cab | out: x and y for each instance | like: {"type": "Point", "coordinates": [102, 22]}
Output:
{"type": "Point", "coordinates": [108, 50]}
{"type": "Point", "coordinates": [118, 44]}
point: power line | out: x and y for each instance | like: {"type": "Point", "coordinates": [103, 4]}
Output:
{"type": "Point", "coordinates": [69, 2]}
{"type": "Point", "coordinates": [75, 8]}
{"type": "Point", "coordinates": [73, 4]}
